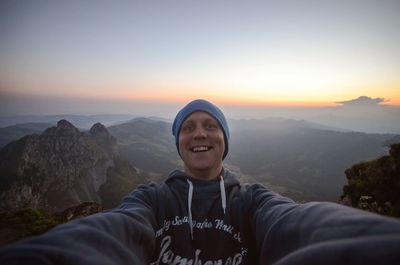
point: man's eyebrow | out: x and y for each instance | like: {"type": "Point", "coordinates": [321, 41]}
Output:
{"type": "Point", "coordinates": [188, 121]}
{"type": "Point", "coordinates": [202, 120]}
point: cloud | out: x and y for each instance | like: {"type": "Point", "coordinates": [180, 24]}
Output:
{"type": "Point", "coordinates": [362, 101]}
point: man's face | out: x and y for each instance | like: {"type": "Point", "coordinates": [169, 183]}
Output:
{"type": "Point", "coordinates": [201, 145]}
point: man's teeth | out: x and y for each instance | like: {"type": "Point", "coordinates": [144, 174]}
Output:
{"type": "Point", "coordinates": [200, 148]}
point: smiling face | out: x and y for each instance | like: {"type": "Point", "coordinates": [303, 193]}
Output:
{"type": "Point", "coordinates": [201, 145]}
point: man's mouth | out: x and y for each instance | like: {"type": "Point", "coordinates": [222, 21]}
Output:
{"type": "Point", "coordinates": [197, 149]}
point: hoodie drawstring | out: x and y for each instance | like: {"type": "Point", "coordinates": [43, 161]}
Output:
{"type": "Point", "coordinates": [190, 198]}
{"type": "Point", "coordinates": [223, 195]}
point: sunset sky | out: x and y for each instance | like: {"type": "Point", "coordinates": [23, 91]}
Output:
{"type": "Point", "coordinates": [263, 53]}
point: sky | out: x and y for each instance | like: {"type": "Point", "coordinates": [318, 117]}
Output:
{"type": "Point", "coordinates": [124, 56]}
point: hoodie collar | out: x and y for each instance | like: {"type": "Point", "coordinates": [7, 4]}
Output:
{"type": "Point", "coordinates": [225, 180]}
{"type": "Point", "coordinates": [178, 177]}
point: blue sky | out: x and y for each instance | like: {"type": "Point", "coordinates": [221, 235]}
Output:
{"type": "Point", "coordinates": [261, 53]}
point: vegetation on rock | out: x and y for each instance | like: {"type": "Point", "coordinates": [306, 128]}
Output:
{"type": "Point", "coordinates": [375, 185]}
{"type": "Point", "coordinates": [27, 222]}
{"type": "Point", "coordinates": [24, 223]}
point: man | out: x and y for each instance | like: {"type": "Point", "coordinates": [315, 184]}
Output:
{"type": "Point", "coordinates": [203, 215]}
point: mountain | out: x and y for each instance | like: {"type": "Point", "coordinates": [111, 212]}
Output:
{"type": "Point", "coordinates": [148, 144]}
{"type": "Point", "coordinates": [14, 132]}
{"type": "Point", "coordinates": [309, 161]}
{"type": "Point", "coordinates": [63, 167]}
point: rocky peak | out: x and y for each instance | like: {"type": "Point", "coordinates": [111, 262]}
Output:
{"type": "Point", "coordinates": [98, 128]}
{"type": "Point", "coordinates": [395, 151]}
{"type": "Point", "coordinates": [63, 127]}
{"type": "Point", "coordinates": [63, 167]}
{"type": "Point", "coordinates": [57, 169]}
{"type": "Point", "coordinates": [100, 134]}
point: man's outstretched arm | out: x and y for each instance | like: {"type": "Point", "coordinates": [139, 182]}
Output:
{"type": "Point", "coordinates": [120, 236]}
{"type": "Point", "coordinates": [321, 232]}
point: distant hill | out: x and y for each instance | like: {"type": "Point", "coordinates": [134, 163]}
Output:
{"type": "Point", "coordinates": [63, 167]}
{"type": "Point", "coordinates": [12, 133]}
{"type": "Point", "coordinates": [309, 161]}
{"type": "Point", "coordinates": [148, 144]}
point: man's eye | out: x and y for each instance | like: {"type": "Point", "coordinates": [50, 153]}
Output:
{"type": "Point", "coordinates": [187, 128]}
{"type": "Point", "coordinates": [211, 126]}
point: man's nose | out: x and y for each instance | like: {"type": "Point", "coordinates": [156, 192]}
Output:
{"type": "Point", "coordinates": [200, 133]}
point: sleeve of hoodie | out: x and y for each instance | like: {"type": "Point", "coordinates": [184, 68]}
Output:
{"type": "Point", "coordinates": [320, 232]}
{"type": "Point", "coordinates": [123, 235]}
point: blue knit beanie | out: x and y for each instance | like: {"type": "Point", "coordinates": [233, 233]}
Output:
{"type": "Point", "coordinates": [201, 105]}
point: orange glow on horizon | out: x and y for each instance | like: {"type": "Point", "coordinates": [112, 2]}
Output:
{"type": "Point", "coordinates": [242, 98]}
{"type": "Point", "coordinates": [394, 102]}
{"type": "Point", "coordinates": [236, 98]}
{"type": "Point", "coordinates": [176, 96]}
{"type": "Point", "coordinates": [242, 102]}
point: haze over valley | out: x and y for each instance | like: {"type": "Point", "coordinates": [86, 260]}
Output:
{"type": "Point", "coordinates": [304, 160]}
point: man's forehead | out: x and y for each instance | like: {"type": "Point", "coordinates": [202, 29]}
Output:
{"type": "Point", "coordinates": [199, 115]}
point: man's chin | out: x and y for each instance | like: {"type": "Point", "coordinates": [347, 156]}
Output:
{"type": "Point", "coordinates": [201, 168]}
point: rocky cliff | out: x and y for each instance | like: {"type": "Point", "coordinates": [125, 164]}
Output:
{"type": "Point", "coordinates": [374, 185]}
{"type": "Point", "coordinates": [62, 167]}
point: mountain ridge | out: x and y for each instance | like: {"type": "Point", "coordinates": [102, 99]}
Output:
{"type": "Point", "coordinates": [298, 159]}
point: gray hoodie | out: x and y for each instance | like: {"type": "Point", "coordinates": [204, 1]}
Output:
{"type": "Point", "coordinates": [186, 221]}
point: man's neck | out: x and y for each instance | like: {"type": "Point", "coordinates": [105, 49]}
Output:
{"type": "Point", "coordinates": [204, 174]}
